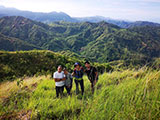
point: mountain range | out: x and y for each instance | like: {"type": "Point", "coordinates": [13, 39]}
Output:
{"type": "Point", "coordinates": [38, 16]}
{"type": "Point", "coordinates": [61, 16]}
{"type": "Point", "coordinates": [100, 42]}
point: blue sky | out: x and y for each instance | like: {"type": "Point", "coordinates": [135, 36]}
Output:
{"type": "Point", "coordinates": [132, 10]}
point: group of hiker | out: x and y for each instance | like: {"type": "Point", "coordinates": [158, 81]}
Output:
{"type": "Point", "coordinates": [64, 79]}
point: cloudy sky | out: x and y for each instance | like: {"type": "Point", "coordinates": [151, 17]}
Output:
{"type": "Point", "coordinates": [117, 9]}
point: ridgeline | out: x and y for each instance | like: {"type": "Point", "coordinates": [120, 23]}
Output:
{"type": "Point", "coordinates": [100, 42]}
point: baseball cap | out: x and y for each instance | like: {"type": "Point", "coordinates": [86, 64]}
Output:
{"type": "Point", "coordinates": [77, 64]}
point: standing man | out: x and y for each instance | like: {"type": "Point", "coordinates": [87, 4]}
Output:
{"type": "Point", "coordinates": [59, 78]}
{"type": "Point", "coordinates": [92, 74]}
{"type": "Point", "coordinates": [68, 81]}
{"type": "Point", "coordinates": [78, 74]}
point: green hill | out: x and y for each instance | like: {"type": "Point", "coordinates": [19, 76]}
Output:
{"type": "Point", "coordinates": [37, 62]}
{"type": "Point", "coordinates": [13, 44]}
{"type": "Point", "coordinates": [42, 62]}
{"type": "Point", "coordinates": [30, 63]}
{"type": "Point", "coordinates": [24, 29]}
{"type": "Point", "coordinates": [100, 42]}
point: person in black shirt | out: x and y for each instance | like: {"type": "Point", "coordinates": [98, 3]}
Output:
{"type": "Point", "coordinates": [92, 74]}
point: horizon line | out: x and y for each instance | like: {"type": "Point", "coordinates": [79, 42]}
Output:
{"type": "Point", "coordinates": [105, 17]}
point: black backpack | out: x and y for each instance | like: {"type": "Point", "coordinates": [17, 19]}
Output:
{"type": "Point", "coordinates": [90, 76]}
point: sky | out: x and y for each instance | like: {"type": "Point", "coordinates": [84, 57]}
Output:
{"type": "Point", "coordinates": [132, 10]}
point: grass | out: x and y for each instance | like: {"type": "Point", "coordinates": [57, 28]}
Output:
{"type": "Point", "coordinates": [120, 95]}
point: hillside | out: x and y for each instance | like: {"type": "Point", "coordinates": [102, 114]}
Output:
{"type": "Point", "coordinates": [142, 24]}
{"type": "Point", "coordinates": [127, 95]}
{"type": "Point", "coordinates": [24, 29]}
{"type": "Point", "coordinates": [13, 44]}
{"type": "Point", "coordinates": [100, 42]}
{"type": "Point", "coordinates": [38, 62]}
{"type": "Point", "coordinates": [30, 63]}
{"type": "Point", "coordinates": [19, 64]}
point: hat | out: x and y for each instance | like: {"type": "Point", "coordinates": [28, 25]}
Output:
{"type": "Point", "coordinates": [76, 64]}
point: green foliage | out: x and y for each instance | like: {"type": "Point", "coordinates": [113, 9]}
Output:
{"type": "Point", "coordinates": [29, 63]}
{"type": "Point", "coordinates": [13, 44]}
{"type": "Point", "coordinates": [99, 42]}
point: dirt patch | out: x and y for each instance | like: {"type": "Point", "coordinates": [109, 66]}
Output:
{"type": "Point", "coordinates": [34, 85]}
{"type": "Point", "coordinates": [22, 115]}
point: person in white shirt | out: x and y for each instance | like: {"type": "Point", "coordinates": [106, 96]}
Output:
{"type": "Point", "coordinates": [59, 78]}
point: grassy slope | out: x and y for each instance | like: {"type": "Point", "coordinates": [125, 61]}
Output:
{"type": "Point", "coordinates": [127, 95]}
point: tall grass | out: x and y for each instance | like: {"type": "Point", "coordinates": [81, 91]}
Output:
{"type": "Point", "coordinates": [120, 95]}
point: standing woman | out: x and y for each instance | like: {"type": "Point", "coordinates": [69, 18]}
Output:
{"type": "Point", "coordinates": [78, 74]}
{"type": "Point", "coordinates": [68, 81]}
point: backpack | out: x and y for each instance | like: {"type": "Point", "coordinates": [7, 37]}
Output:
{"type": "Point", "coordinates": [78, 74]}
{"type": "Point", "coordinates": [90, 77]}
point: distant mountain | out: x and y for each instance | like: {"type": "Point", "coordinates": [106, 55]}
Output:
{"type": "Point", "coordinates": [32, 32]}
{"type": "Point", "coordinates": [38, 16]}
{"type": "Point", "coordinates": [101, 42]}
{"type": "Point", "coordinates": [60, 16]}
{"type": "Point", "coordinates": [2, 15]}
{"type": "Point", "coordinates": [96, 19]}
{"type": "Point", "coordinates": [24, 29]}
{"type": "Point", "coordinates": [142, 24]}
{"type": "Point", "coordinates": [120, 23]}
